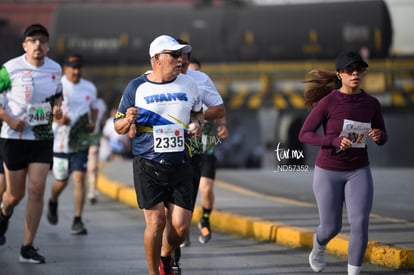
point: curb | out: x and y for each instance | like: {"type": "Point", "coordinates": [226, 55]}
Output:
{"type": "Point", "coordinates": [251, 227]}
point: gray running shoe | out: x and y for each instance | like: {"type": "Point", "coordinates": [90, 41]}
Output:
{"type": "Point", "coordinates": [317, 256]}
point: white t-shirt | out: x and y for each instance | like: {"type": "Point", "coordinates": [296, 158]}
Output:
{"type": "Point", "coordinates": [208, 91]}
{"type": "Point", "coordinates": [24, 88]}
{"type": "Point", "coordinates": [78, 99]}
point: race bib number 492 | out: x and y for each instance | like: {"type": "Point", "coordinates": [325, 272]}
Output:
{"type": "Point", "coordinates": [168, 138]}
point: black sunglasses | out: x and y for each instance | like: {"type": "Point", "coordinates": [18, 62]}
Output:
{"type": "Point", "coordinates": [352, 68]}
{"type": "Point", "coordinates": [175, 54]}
{"type": "Point", "coordinates": [41, 39]}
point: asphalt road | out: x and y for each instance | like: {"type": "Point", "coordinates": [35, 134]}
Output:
{"type": "Point", "coordinates": [114, 245]}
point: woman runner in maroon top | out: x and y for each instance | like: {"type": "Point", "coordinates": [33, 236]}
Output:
{"type": "Point", "coordinates": [349, 118]}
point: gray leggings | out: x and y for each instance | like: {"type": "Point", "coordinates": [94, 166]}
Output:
{"type": "Point", "coordinates": [354, 188]}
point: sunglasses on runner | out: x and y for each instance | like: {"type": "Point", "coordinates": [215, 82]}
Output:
{"type": "Point", "coordinates": [175, 54]}
{"type": "Point", "coordinates": [41, 39]}
{"type": "Point", "coordinates": [352, 68]}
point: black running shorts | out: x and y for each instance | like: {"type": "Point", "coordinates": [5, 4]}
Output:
{"type": "Point", "coordinates": [208, 169]}
{"type": "Point", "coordinates": [196, 164]}
{"type": "Point", "coordinates": [17, 154]}
{"type": "Point", "coordinates": [155, 183]}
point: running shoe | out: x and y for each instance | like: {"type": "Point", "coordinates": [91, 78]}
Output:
{"type": "Point", "coordinates": [28, 254]}
{"type": "Point", "coordinates": [4, 224]}
{"type": "Point", "coordinates": [317, 256]}
{"type": "Point", "coordinates": [205, 231]}
{"type": "Point", "coordinates": [52, 212]}
{"type": "Point", "coordinates": [166, 267]}
{"type": "Point", "coordinates": [176, 261]}
{"type": "Point", "coordinates": [78, 228]}
{"type": "Point", "coordinates": [176, 268]}
{"type": "Point", "coordinates": [93, 198]}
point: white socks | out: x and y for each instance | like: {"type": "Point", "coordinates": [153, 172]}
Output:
{"type": "Point", "coordinates": [353, 270]}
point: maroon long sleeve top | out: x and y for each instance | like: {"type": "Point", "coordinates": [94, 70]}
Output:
{"type": "Point", "coordinates": [330, 113]}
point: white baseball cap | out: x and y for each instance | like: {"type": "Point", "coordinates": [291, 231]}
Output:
{"type": "Point", "coordinates": [166, 42]}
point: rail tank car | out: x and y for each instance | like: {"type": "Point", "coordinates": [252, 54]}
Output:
{"type": "Point", "coordinates": [121, 34]}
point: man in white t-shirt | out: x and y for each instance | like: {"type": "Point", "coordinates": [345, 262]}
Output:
{"type": "Point", "coordinates": [214, 109]}
{"type": "Point", "coordinates": [71, 143]}
{"type": "Point", "coordinates": [30, 97]}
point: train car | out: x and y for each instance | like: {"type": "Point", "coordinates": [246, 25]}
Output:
{"type": "Point", "coordinates": [121, 34]}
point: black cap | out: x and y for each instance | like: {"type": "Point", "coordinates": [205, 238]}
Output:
{"type": "Point", "coordinates": [73, 60]}
{"type": "Point", "coordinates": [345, 59]}
{"type": "Point", "coordinates": [35, 28]}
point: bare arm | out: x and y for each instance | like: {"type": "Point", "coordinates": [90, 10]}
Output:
{"type": "Point", "coordinates": [15, 124]}
{"type": "Point", "coordinates": [197, 118]}
{"type": "Point", "coordinates": [123, 124]}
{"type": "Point", "coordinates": [215, 112]}
{"type": "Point", "coordinates": [93, 116]}
{"type": "Point", "coordinates": [222, 131]}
